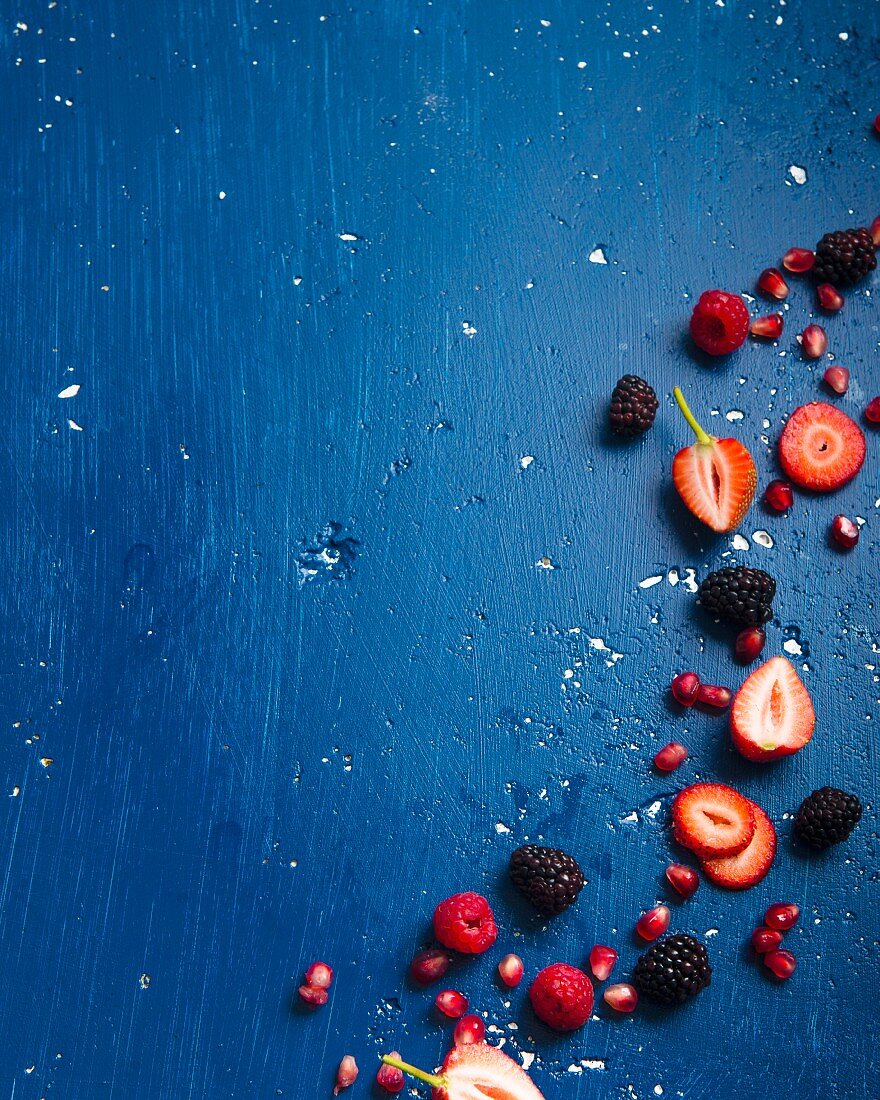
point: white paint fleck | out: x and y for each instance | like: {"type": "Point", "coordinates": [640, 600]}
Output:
{"type": "Point", "coordinates": [468, 329]}
{"type": "Point", "coordinates": [711, 932]}
{"type": "Point", "coordinates": [597, 256]}
{"type": "Point", "coordinates": [16, 791]}
{"type": "Point", "coordinates": [658, 1090]}
{"type": "Point", "coordinates": [689, 580]}
{"type": "Point", "coordinates": [843, 36]}
{"type": "Point", "coordinates": [528, 1058]}
{"type": "Point", "coordinates": [793, 646]}
{"type": "Point", "coordinates": [544, 563]}
{"type": "Point", "coordinates": [526, 461]}
{"type": "Point", "coordinates": [739, 542]}
{"type": "Point", "coordinates": [349, 237]}
{"type": "Point", "coordinates": [592, 1063]}
{"type": "Point", "coordinates": [72, 424]}
{"type": "Point", "coordinates": [631, 818]}
{"type": "Point", "coordinates": [733, 415]}
{"type": "Point", "coordinates": [672, 577]}
{"type": "Point", "coordinates": [501, 829]}
{"type": "Point", "coordinates": [763, 538]}
{"type": "Point", "coordinates": [221, 195]}
{"type": "Point", "coordinates": [798, 174]}
{"type": "Point", "coordinates": [144, 981]}
{"type": "Point", "coordinates": [46, 761]}
{"type": "Point", "coordinates": [649, 582]}
{"type": "Point", "coordinates": [70, 391]}
{"type": "Point", "coordinates": [653, 809]}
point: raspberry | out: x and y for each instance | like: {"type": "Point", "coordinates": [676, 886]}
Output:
{"type": "Point", "coordinates": [465, 923]}
{"type": "Point", "coordinates": [633, 406]}
{"type": "Point", "coordinates": [844, 257]}
{"type": "Point", "coordinates": [562, 996]}
{"type": "Point", "coordinates": [720, 322]}
{"type": "Point", "coordinates": [548, 877]}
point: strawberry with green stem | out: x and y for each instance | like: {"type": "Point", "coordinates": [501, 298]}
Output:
{"type": "Point", "coordinates": [474, 1072]}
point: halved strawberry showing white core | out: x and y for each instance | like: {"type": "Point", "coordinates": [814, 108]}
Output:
{"type": "Point", "coordinates": [712, 820]}
{"type": "Point", "coordinates": [772, 714]}
{"type": "Point", "coordinates": [475, 1072]}
{"type": "Point", "coordinates": [821, 448]}
{"type": "Point", "coordinates": [749, 866]}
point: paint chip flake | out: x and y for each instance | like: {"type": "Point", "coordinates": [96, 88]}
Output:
{"type": "Point", "coordinates": [69, 391]}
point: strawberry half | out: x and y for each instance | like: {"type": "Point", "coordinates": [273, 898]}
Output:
{"type": "Point", "coordinates": [772, 714]}
{"type": "Point", "coordinates": [821, 448]}
{"type": "Point", "coordinates": [712, 820]}
{"type": "Point", "coordinates": [715, 478]}
{"type": "Point", "coordinates": [474, 1072]}
{"type": "Point", "coordinates": [749, 866]}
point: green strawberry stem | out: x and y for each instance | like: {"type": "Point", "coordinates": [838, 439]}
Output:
{"type": "Point", "coordinates": [702, 437]}
{"type": "Point", "coordinates": [429, 1078]}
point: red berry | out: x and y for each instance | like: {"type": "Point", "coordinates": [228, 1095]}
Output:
{"type": "Point", "coordinates": [772, 283]}
{"type": "Point", "coordinates": [670, 757]}
{"type": "Point", "coordinates": [346, 1074]}
{"type": "Point", "coordinates": [621, 997]}
{"type": "Point", "coordinates": [465, 923]}
{"type": "Point", "coordinates": [814, 342]}
{"type": "Point", "coordinates": [837, 379]}
{"type": "Point", "coordinates": [844, 532]}
{"type": "Point", "coordinates": [429, 966]}
{"type": "Point", "coordinates": [829, 297]}
{"type": "Point", "coordinates": [602, 960]}
{"type": "Point", "coordinates": [821, 448]}
{"type": "Point", "coordinates": [390, 1078]}
{"type": "Point", "coordinates": [711, 695]}
{"type": "Point", "coordinates": [782, 916]}
{"type": "Point", "coordinates": [782, 963]}
{"type": "Point", "coordinates": [510, 970]}
{"type": "Point", "coordinates": [683, 879]}
{"type": "Point", "coordinates": [749, 643]}
{"type": "Point", "coordinates": [769, 327]}
{"type": "Point", "coordinates": [872, 411]}
{"type": "Point", "coordinates": [319, 975]}
{"type": "Point", "coordinates": [799, 260]}
{"type": "Point", "coordinates": [875, 231]}
{"type": "Point", "coordinates": [685, 687]}
{"type": "Point", "coordinates": [766, 939]}
{"type": "Point", "coordinates": [469, 1030]}
{"type": "Point", "coordinates": [877, 124]}
{"type": "Point", "coordinates": [451, 1003]}
{"type": "Point", "coordinates": [778, 496]}
{"type": "Point", "coordinates": [653, 923]}
{"type": "Point", "coordinates": [562, 996]}
{"type": "Point", "coordinates": [313, 994]}
{"type": "Point", "coordinates": [720, 322]}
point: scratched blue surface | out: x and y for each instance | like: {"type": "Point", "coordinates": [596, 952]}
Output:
{"type": "Point", "coordinates": [280, 666]}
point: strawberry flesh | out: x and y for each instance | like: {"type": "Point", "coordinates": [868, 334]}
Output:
{"type": "Point", "coordinates": [481, 1072]}
{"type": "Point", "coordinates": [821, 448]}
{"type": "Point", "coordinates": [749, 866]}
{"type": "Point", "coordinates": [772, 714]}
{"type": "Point", "coordinates": [712, 820]}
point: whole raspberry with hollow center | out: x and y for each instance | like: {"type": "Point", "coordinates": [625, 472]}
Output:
{"type": "Point", "coordinates": [562, 996]}
{"type": "Point", "coordinates": [720, 322]}
{"type": "Point", "coordinates": [464, 922]}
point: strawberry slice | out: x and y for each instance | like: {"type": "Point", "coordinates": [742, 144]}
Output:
{"type": "Point", "coordinates": [712, 820]}
{"type": "Point", "coordinates": [772, 714]}
{"type": "Point", "coordinates": [715, 478]}
{"type": "Point", "coordinates": [749, 866]}
{"type": "Point", "coordinates": [474, 1072]}
{"type": "Point", "coordinates": [821, 448]}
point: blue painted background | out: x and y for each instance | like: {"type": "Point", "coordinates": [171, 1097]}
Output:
{"type": "Point", "coordinates": [279, 668]}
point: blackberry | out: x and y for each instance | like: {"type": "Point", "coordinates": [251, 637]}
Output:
{"type": "Point", "coordinates": [633, 406]}
{"type": "Point", "coordinates": [548, 877]}
{"type": "Point", "coordinates": [827, 817]}
{"type": "Point", "coordinates": [672, 970]}
{"type": "Point", "coordinates": [740, 595]}
{"type": "Point", "coordinates": [844, 257]}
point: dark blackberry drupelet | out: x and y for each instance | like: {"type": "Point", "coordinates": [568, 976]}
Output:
{"type": "Point", "coordinates": [739, 595]}
{"type": "Point", "coordinates": [827, 817]}
{"type": "Point", "coordinates": [844, 257]}
{"type": "Point", "coordinates": [633, 406]}
{"type": "Point", "coordinates": [672, 970]}
{"type": "Point", "coordinates": [550, 878]}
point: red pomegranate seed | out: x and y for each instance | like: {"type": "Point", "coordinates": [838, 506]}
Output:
{"type": "Point", "coordinates": [670, 757]}
{"type": "Point", "coordinates": [319, 975]}
{"type": "Point", "coordinates": [837, 379]}
{"type": "Point", "coordinates": [390, 1078]}
{"type": "Point", "coordinates": [877, 124]}
{"type": "Point", "coordinates": [875, 231]}
{"type": "Point", "coordinates": [683, 879]}
{"type": "Point", "coordinates": [451, 1003]}
{"type": "Point", "coordinates": [814, 342]}
{"type": "Point", "coordinates": [712, 695]}
{"type": "Point", "coordinates": [346, 1074]}
{"type": "Point", "coordinates": [469, 1030]}
{"type": "Point", "coordinates": [313, 994]}
{"type": "Point", "coordinates": [653, 923]}
{"type": "Point", "coordinates": [769, 327]}
{"type": "Point", "coordinates": [872, 411]}
{"type": "Point", "coordinates": [429, 965]}
{"type": "Point", "coordinates": [844, 532]}
{"type": "Point", "coordinates": [782, 915]}
{"type": "Point", "coordinates": [748, 644]}
{"type": "Point", "coordinates": [782, 963]}
{"type": "Point", "coordinates": [685, 686]}
{"type": "Point", "coordinates": [772, 283]}
{"type": "Point", "coordinates": [602, 960]}
{"type": "Point", "coordinates": [829, 297]}
{"type": "Point", "coordinates": [799, 260]}
{"type": "Point", "coordinates": [766, 939]}
{"type": "Point", "coordinates": [510, 970]}
{"type": "Point", "coordinates": [778, 496]}
{"type": "Point", "coordinates": [621, 997]}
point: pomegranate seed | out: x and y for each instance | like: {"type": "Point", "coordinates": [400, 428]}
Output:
{"type": "Point", "coordinates": [686, 685]}
{"type": "Point", "coordinates": [799, 260]}
{"type": "Point", "coordinates": [875, 231]}
{"type": "Point", "coordinates": [711, 695]}
{"type": "Point", "coordinates": [877, 124]}
{"type": "Point", "coordinates": [782, 915]}
{"type": "Point", "coordinates": [769, 327]}
{"type": "Point", "coordinates": [313, 994]}
{"type": "Point", "coordinates": [469, 1030]}
{"type": "Point", "coordinates": [621, 997]}
{"type": "Point", "coordinates": [602, 960]}
{"type": "Point", "coordinates": [837, 379]}
{"type": "Point", "coordinates": [844, 532]}
{"type": "Point", "coordinates": [749, 643]}
{"type": "Point", "coordinates": [451, 1003]}
{"type": "Point", "coordinates": [390, 1078]}
{"type": "Point", "coordinates": [346, 1074]}
{"type": "Point", "coordinates": [319, 975]}
{"type": "Point", "coordinates": [429, 965]}
{"type": "Point", "coordinates": [510, 970]}
{"type": "Point", "coordinates": [771, 282]}
{"type": "Point", "coordinates": [670, 757]}
{"type": "Point", "coordinates": [766, 939]}
{"type": "Point", "coordinates": [814, 342]}
{"type": "Point", "coordinates": [782, 963]}
{"type": "Point", "coordinates": [872, 411]}
{"type": "Point", "coordinates": [653, 923]}
{"type": "Point", "coordinates": [778, 496]}
{"type": "Point", "coordinates": [829, 297]}
{"type": "Point", "coordinates": [683, 879]}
